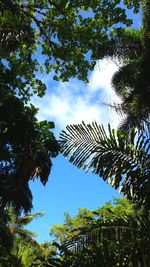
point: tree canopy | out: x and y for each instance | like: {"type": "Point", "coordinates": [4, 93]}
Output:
{"type": "Point", "coordinates": [60, 31]}
{"type": "Point", "coordinates": [112, 235]}
{"type": "Point", "coordinates": [65, 38]}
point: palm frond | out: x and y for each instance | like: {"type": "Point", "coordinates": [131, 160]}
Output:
{"type": "Point", "coordinates": [118, 107]}
{"type": "Point", "coordinates": [120, 158]}
{"type": "Point", "coordinates": [24, 220]}
{"type": "Point", "coordinates": [25, 233]}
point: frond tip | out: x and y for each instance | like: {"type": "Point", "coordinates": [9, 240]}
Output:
{"type": "Point", "coordinates": [120, 158]}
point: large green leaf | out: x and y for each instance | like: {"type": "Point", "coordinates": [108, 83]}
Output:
{"type": "Point", "coordinates": [120, 158]}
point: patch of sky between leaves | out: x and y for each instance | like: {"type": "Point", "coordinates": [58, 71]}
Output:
{"type": "Point", "coordinates": [73, 102]}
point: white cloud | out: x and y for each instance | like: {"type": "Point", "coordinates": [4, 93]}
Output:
{"type": "Point", "coordinates": [101, 77]}
{"type": "Point", "coordinates": [72, 102]}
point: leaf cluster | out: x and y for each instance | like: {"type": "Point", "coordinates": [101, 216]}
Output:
{"type": "Point", "coordinates": [61, 30]}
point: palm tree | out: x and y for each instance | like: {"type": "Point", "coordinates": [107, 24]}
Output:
{"type": "Point", "coordinates": [17, 223]}
{"type": "Point", "coordinates": [131, 82]}
{"type": "Point", "coordinates": [14, 239]}
{"type": "Point", "coordinates": [120, 158]}
{"type": "Point", "coordinates": [25, 248]}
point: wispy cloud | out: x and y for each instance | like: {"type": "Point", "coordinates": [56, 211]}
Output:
{"type": "Point", "coordinates": [72, 102]}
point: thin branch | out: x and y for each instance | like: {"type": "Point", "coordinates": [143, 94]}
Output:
{"type": "Point", "coordinates": [38, 23]}
{"type": "Point", "coordinates": [31, 6]}
{"type": "Point", "coordinates": [35, 6]}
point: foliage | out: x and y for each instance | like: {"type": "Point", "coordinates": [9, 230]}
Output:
{"type": "Point", "coordinates": [112, 235]}
{"type": "Point", "coordinates": [131, 81]}
{"type": "Point", "coordinates": [18, 245]}
{"type": "Point", "coordinates": [120, 158]}
{"type": "Point", "coordinates": [26, 144]}
{"type": "Point", "coordinates": [13, 234]}
{"type": "Point", "coordinates": [17, 223]}
{"type": "Point", "coordinates": [26, 148]}
{"type": "Point", "coordinates": [85, 218]}
{"type": "Point", "coordinates": [34, 254]}
{"type": "Point", "coordinates": [61, 30]}
{"type": "Point", "coordinates": [6, 244]}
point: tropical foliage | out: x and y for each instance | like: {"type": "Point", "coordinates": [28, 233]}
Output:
{"type": "Point", "coordinates": [120, 158]}
{"type": "Point", "coordinates": [112, 235]}
{"type": "Point", "coordinates": [38, 27]}
{"type": "Point", "coordinates": [131, 81]}
{"type": "Point", "coordinates": [13, 234]}
{"type": "Point", "coordinates": [26, 144]}
{"type": "Point", "coordinates": [18, 245]}
{"type": "Point", "coordinates": [26, 147]}
{"type": "Point", "coordinates": [17, 223]}
{"type": "Point", "coordinates": [34, 254]}
{"type": "Point", "coordinates": [62, 31]}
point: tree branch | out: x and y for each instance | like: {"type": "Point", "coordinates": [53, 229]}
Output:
{"type": "Point", "coordinates": [38, 23]}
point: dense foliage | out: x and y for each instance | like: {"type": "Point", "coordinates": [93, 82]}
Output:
{"type": "Point", "coordinates": [131, 82]}
{"type": "Point", "coordinates": [26, 144]}
{"type": "Point", "coordinates": [112, 235]}
{"type": "Point", "coordinates": [18, 246]}
{"type": "Point", "coordinates": [64, 38]}
{"type": "Point", "coordinates": [60, 31]}
{"type": "Point", "coordinates": [26, 148]}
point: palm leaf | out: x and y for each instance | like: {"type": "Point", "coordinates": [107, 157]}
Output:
{"type": "Point", "coordinates": [16, 224]}
{"type": "Point", "coordinates": [24, 233]}
{"type": "Point", "coordinates": [24, 220]}
{"type": "Point", "coordinates": [120, 158]}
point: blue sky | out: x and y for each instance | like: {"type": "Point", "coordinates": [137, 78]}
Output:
{"type": "Point", "coordinates": [68, 187]}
